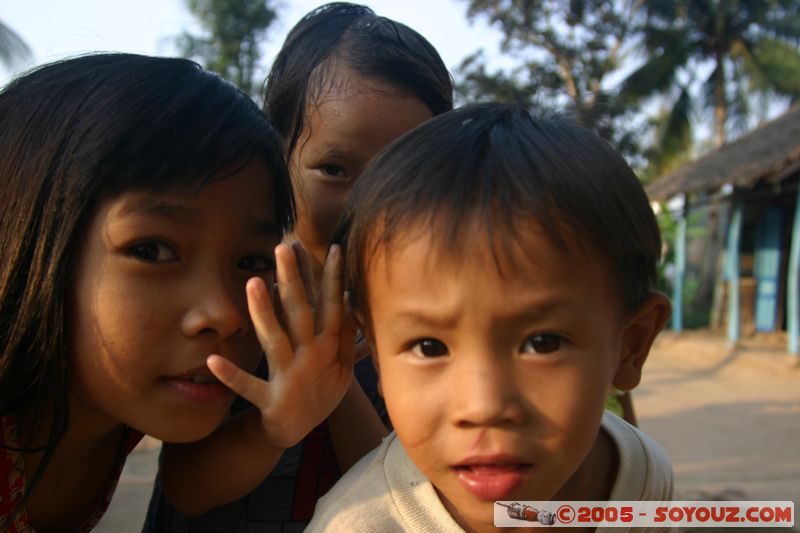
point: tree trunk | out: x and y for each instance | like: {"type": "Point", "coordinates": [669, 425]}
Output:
{"type": "Point", "coordinates": [720, 101]}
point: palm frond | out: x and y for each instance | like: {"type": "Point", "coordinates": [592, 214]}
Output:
{"type": "Point", "coordinates": [751, 71]}
{"type": "Point", "coordinates": [676, 136]}
{"type": "Point", "coordinates": [660, 40]}
{"type": "Point", "coordinates": [739, 108]}
{"type": "Point", "coordinates": [782, 20]}
{"type": "Point", "coordinates": [780, 63]}
{"type": "Point", "coordinates": [653, 77]}
{"type": "Point", "coordinates": [707, 94]}
{"type": "Point", "coordinates": [664, 11]}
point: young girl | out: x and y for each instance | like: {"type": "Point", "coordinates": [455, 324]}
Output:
{"type": "Point", "coordinates": [140, 195]}
{"type": "Point", "coordinates": [345, 84]}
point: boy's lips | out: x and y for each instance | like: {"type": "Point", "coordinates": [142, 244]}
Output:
{"type": "Point", "coordinates": [492, 477]}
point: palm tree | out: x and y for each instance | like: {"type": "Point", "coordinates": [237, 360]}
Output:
{"type": "Point", "coordinates": [566, 54]}
{"type": "Point", "coordinates": [732, 49]}
{"type": "Point", "coordinates": [230, 43]}
{"type": "Point", "coordinates": [12, 48]}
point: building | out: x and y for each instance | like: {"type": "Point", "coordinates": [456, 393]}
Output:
{"type": "Point", "coordinates": [747, 190]}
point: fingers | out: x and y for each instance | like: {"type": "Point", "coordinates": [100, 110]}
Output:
{"type": "Point", "coordinates": [282, 336]}
{"type": "Point", "coordinates": [347, 338]}
{"type": "Point", "coordinates": [330, 308]}
{"type": "Point", "coordinates": [277, 308]}
{"type": "Point", "coordinates": [310, 271]}
{"type": "Point", "coordinates": [271, 335]}
{"type": "Point", "coordinates": [242, 383]}
{"type": "Point", "coordinates": [298, 313]}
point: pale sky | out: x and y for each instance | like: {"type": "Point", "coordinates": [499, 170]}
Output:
{"type": "Point", "coordinates": [57, 28]}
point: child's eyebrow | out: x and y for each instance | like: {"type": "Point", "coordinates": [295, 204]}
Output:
{"type": "Point", "coordinates": [186, 214]}
{"type": "Point", "coordinates": [333, 153]}
{"type": "Point", "coordinates": [524, 312]}
{"type": "Point", "coordinates": [419, 316]}
{"type": "Point", "coordinates": [159, 208]}
{"type": "Point", "coordinates": [540, 306]}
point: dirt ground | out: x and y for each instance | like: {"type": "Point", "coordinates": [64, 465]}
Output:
{"type": "Point", "coordinates": [729, 419]}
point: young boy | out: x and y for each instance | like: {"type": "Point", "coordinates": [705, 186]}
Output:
{"type": "Point", "coordinates": [503, 268]}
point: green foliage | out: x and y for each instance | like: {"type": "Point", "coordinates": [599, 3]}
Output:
{"type": "Point", "coordinates": [673, 139]}
{"type": "Point", "coordinates": [777, 65]}
{"type": "Point", "coordinates": [233, 31]}
{"type": "Point", "coordinates": [713, 55]}
{"type": "Point", "coordinates": [668, 226]}
{"type": "Point", "coordinates": [566, 53]}
{"type": "Point", "coordinates": [696, 59]}
{"type": "Point", "coordinates": [695, 311]}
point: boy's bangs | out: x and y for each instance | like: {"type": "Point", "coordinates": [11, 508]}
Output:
{"type": "Point", "coordinates": [454, 231]}
{"type": "Point", "coordinates": [490, 170]}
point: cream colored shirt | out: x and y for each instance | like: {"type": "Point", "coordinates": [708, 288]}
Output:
{"type": "Point", "coordinates": [385, 492]}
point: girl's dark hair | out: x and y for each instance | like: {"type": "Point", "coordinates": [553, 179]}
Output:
{"type": "Point", "coordinates": [374, 46]}
{"type": "Point", "coordinates": [494, 166]}
{"type": "Point", "coordinates": [76, 133]}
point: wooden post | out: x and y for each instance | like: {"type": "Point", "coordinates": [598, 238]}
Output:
{"type": "Point", "coordinates": [680, 269]}
{"type": "Point", "coordinates": [732, 254]}
{"type": "Point", "coordinates": [793, 277]}
{"type": "Point", "coordinates": [767, 268]}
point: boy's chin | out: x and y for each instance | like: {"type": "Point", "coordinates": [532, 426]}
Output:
{"type": "Point", "coordinates": [477, 515]}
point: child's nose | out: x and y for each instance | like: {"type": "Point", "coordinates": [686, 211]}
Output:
{"type": "Point", "coordinates": [219, 308]}
{"type": "Point", "coordinates": [486, 394]}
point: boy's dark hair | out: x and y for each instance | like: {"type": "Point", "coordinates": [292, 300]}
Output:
{"type": "Point", "coordinates": [494, 166]}
{"type": "Point", "coordinates": [76, 133]}
{"type": "Point", "coordinates": [373, 46]}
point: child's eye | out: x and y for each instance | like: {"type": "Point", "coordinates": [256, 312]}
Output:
{"type": "Point", "coordinates": [334, 170]}
{"type": "Point", "coordinates": [429, 348]}
{"type": "Point", "coordinates": [257, 263]}
{"type": "Point", "coordinates": [545, 343]}
{"type": "Point", "coordinates": [153, 252]}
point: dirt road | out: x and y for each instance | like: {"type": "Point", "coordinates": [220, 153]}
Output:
{"type": "Point", "coordinates": [729, 421]}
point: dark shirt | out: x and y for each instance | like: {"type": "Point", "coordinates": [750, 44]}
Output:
{"type": "Point", "coordinates": [285, 500]}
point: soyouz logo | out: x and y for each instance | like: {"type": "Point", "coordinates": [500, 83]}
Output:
{"type": "Point", "coordinates": [644, 514]}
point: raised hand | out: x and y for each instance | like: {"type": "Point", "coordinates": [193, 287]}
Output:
{"type": "Point", "coordinates": [310, 356]}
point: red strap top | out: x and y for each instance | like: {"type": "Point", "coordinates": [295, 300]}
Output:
{"type": "Point", "coordinates": [12, 480]}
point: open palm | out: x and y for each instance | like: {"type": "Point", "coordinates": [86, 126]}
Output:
{"type": "Point", "coordinates": [310, 355]}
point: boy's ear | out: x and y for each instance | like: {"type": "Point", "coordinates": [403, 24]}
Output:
{"type": "Point", "coordinates": [366, 348]}
{"type": "Point", "coordinates": [640, 331]}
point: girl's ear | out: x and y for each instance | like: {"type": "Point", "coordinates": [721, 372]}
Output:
{"type": "Point", "coordinates": [640, 331]}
